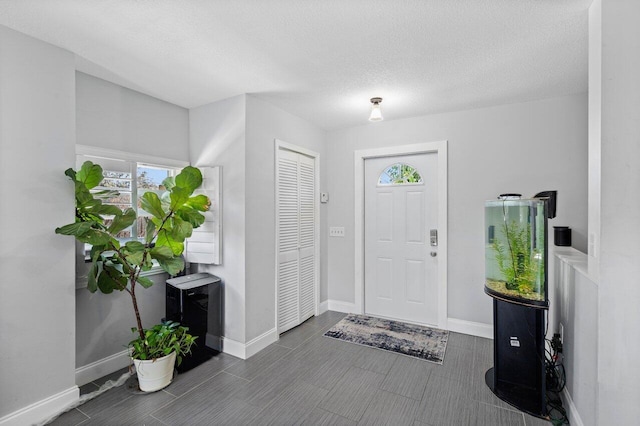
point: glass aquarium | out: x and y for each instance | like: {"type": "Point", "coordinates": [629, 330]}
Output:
{"type": "Point", "coordinates": [516, 250]}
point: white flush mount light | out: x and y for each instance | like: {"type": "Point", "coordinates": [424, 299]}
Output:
{"type": "Point", "coordinates": [376, 112]}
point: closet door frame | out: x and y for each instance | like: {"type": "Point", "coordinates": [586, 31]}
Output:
{"type": "Point", "coordinates": [279, 146]}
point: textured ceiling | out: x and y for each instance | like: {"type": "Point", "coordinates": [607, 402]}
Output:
{"type": "Point", "coordinates": [323, 60]}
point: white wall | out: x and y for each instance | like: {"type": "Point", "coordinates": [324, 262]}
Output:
{"type": "Point", "coordinates": [619, 298]}
{"type": "Point", "coordinates": [574, 304]}
{"type": "Point", "coordinates": [595, 117]}
{"type": "Point", "coordinates": [217, 138]}
{"type": "Point", "coordinates": [37, 137]}
{"type": "Point", "coordinates": [112, 117]}
{"type": "Point", "coordinates": [265, 123]}
{"type": "Point", "coordinates": [524, 148]}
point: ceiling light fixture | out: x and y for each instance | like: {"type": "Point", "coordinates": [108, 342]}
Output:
{"type": "Point", "coordinates": [376, 112]}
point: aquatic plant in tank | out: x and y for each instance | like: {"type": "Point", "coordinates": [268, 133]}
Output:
{"type": "Point", "coordinates": [515, 254]}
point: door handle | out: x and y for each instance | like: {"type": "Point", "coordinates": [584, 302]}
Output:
{"type": "Point", "coordinates": [434, 253]}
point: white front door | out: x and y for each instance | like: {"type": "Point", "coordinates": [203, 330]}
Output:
{"type": "Point", "coordinates": [401, 265]}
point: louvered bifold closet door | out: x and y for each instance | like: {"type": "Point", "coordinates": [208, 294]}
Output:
{"type": "Point", "coordinates": [295, 180]}
{"type": "Point", "coordinates": [307, 190]}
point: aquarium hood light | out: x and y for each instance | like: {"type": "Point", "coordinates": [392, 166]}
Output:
{"type": "Point", "coordinates": [550, 196]}
{"type": "Point", "coordinates": [552, 200]}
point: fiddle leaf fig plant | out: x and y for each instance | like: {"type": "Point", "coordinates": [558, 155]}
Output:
{"type": "Point", "coordinates": [117, 265]}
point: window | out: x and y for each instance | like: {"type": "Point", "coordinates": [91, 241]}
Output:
{"type": "Point", "coordinates": [399, 174]}
{"type": "Point", "coordinates": [131, 179]}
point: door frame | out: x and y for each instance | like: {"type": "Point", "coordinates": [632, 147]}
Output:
{"type": "Point", "coordinates": [440, 149]}
{"type": "Point", "coordinates": [281, 145]}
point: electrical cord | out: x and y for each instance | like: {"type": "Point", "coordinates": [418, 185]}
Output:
{"type": "Point", "coordinates": [556, 379]}
{"type": "Point", "coordinates": [87, 397]}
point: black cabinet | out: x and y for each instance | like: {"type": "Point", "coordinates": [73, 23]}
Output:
{"type": "Point", "coordinates": [195, 301]}
{"type": "Point", "coordinates": [518, 375]}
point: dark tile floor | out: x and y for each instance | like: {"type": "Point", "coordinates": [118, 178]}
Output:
{"type": "Point", "coordinates": [308, 379]}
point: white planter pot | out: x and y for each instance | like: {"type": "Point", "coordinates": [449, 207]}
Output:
{"type": "Point", "coordinates": [155, 374]}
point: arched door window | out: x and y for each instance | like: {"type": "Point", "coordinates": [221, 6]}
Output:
{"type": "Point", "coordinates": [400, 174]}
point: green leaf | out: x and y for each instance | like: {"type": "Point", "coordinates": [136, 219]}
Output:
{"type": "Point", "coordinates": [89, 203]}
{"type": "Point", "coordinates": [92, 284]}
{"type": "Point", "coordinates": [147, 263]}
{"type": "Point", "coordinates": [111, 279]}
{"type": "Point", "coordinates": [178, 196]}
{"type": "Point", "coordinates": [165, 199]}
{"type": "Point", "coordinates": [106, 284]}
{"type": "Point", "coordinates": [189, 178]}
{"type": "Point", "coordinates": [151, 229]}
{"type": "Point", "coordinates": [181, 229]}
{"type": "Point", "coordinates": [134, 246]}
{"type": "Point", "coordinates": [134, 259]}
{"type": "Point", "coordinates": [161, 253]}
{"type": "Point", "coordinates": [169, 183]}
{"type": "Point", "coordinates": [71, 173]}
{"type": "Point", "coordinates": [75, 229]}
{"type": "Point", "coordinates": [90, 174]}
{"type": "Point", "coordinates": [96, 251]}
{"type": "Point", "coordinates": [165, 239]}
{"type": "Point", "coordinates": [191, 215]}
{"type": "Point", "coordinates": [150, 202]}
{"type": "Point", "coordinates": [200, 202]}
{"type": "Point", "coordinates": [106, 209]}
{"type": "Point", "coordinates": [145, 282]}
{"type": "Point", "coordinates": [172, 266]}
{"type": "Point", "coordinates": [94, 237]}
{"type": "Point", "coordinates": [166, 259]}
{"type": "Point", "coordinates": [122, 220]}
{"type": "Point", "coordinates": [134, 253]}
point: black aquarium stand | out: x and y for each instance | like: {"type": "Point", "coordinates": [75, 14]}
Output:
{"type": "Point", "coordinates": [518, 375]}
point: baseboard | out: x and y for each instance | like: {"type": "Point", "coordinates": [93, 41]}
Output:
{"type": "Point", "coordinates": [233, 347]}
{"type": "Point", "coordinates": [469, 327]}
{"type": "Point", "coordinates": [323, 307]}
{"type": "Point", "coordinates": [102, 367]}
{"type": "Point", "coordinates": [340, 306]}
{"type": "Point", "coordinates": [252, 347]}
{"type": "Point", "coordinates": [259, 343]}
{"type": "Point", "coordinates": [43, 409]}
{"type": "Point", "coordinates": [571, 409]}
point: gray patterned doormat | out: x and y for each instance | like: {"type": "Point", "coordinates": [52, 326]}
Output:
{"type": "Point", "coordinates": [407, 339]}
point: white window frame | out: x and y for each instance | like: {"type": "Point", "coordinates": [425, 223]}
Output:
{"type": "Point", "coordinates": [421, 182]}
{"type": "Point", "coordinates": [139, 160]}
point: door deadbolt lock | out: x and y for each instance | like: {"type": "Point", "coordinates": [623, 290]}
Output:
{"type": "Point", "coordinates": [433, 237]}
{"type": "Point", "coordinates": [434, 254]}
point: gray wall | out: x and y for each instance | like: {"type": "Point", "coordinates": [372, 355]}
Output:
{"type": "Point", "coordinates": [265, 123]}
{"type": "Point", "coordinates": [37, 137]}
{"type": "Point", "coordinates": [104, 321]}
{"type": "Point", "coordinates": [524, 148]}
{"type": "Point", "coordinates": [217, 138]}
{"type": "Point", "coordinates": [619, 298]}
{"type": "Point", "coordinates": [112, 117]}
{"type": "Point", "coordinates": [238, 134]}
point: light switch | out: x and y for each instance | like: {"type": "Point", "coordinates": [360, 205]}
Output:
{"type": "Point", "coordinates": [336, 231]}
{"type": "Point", "coordinates": [324, 197]}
